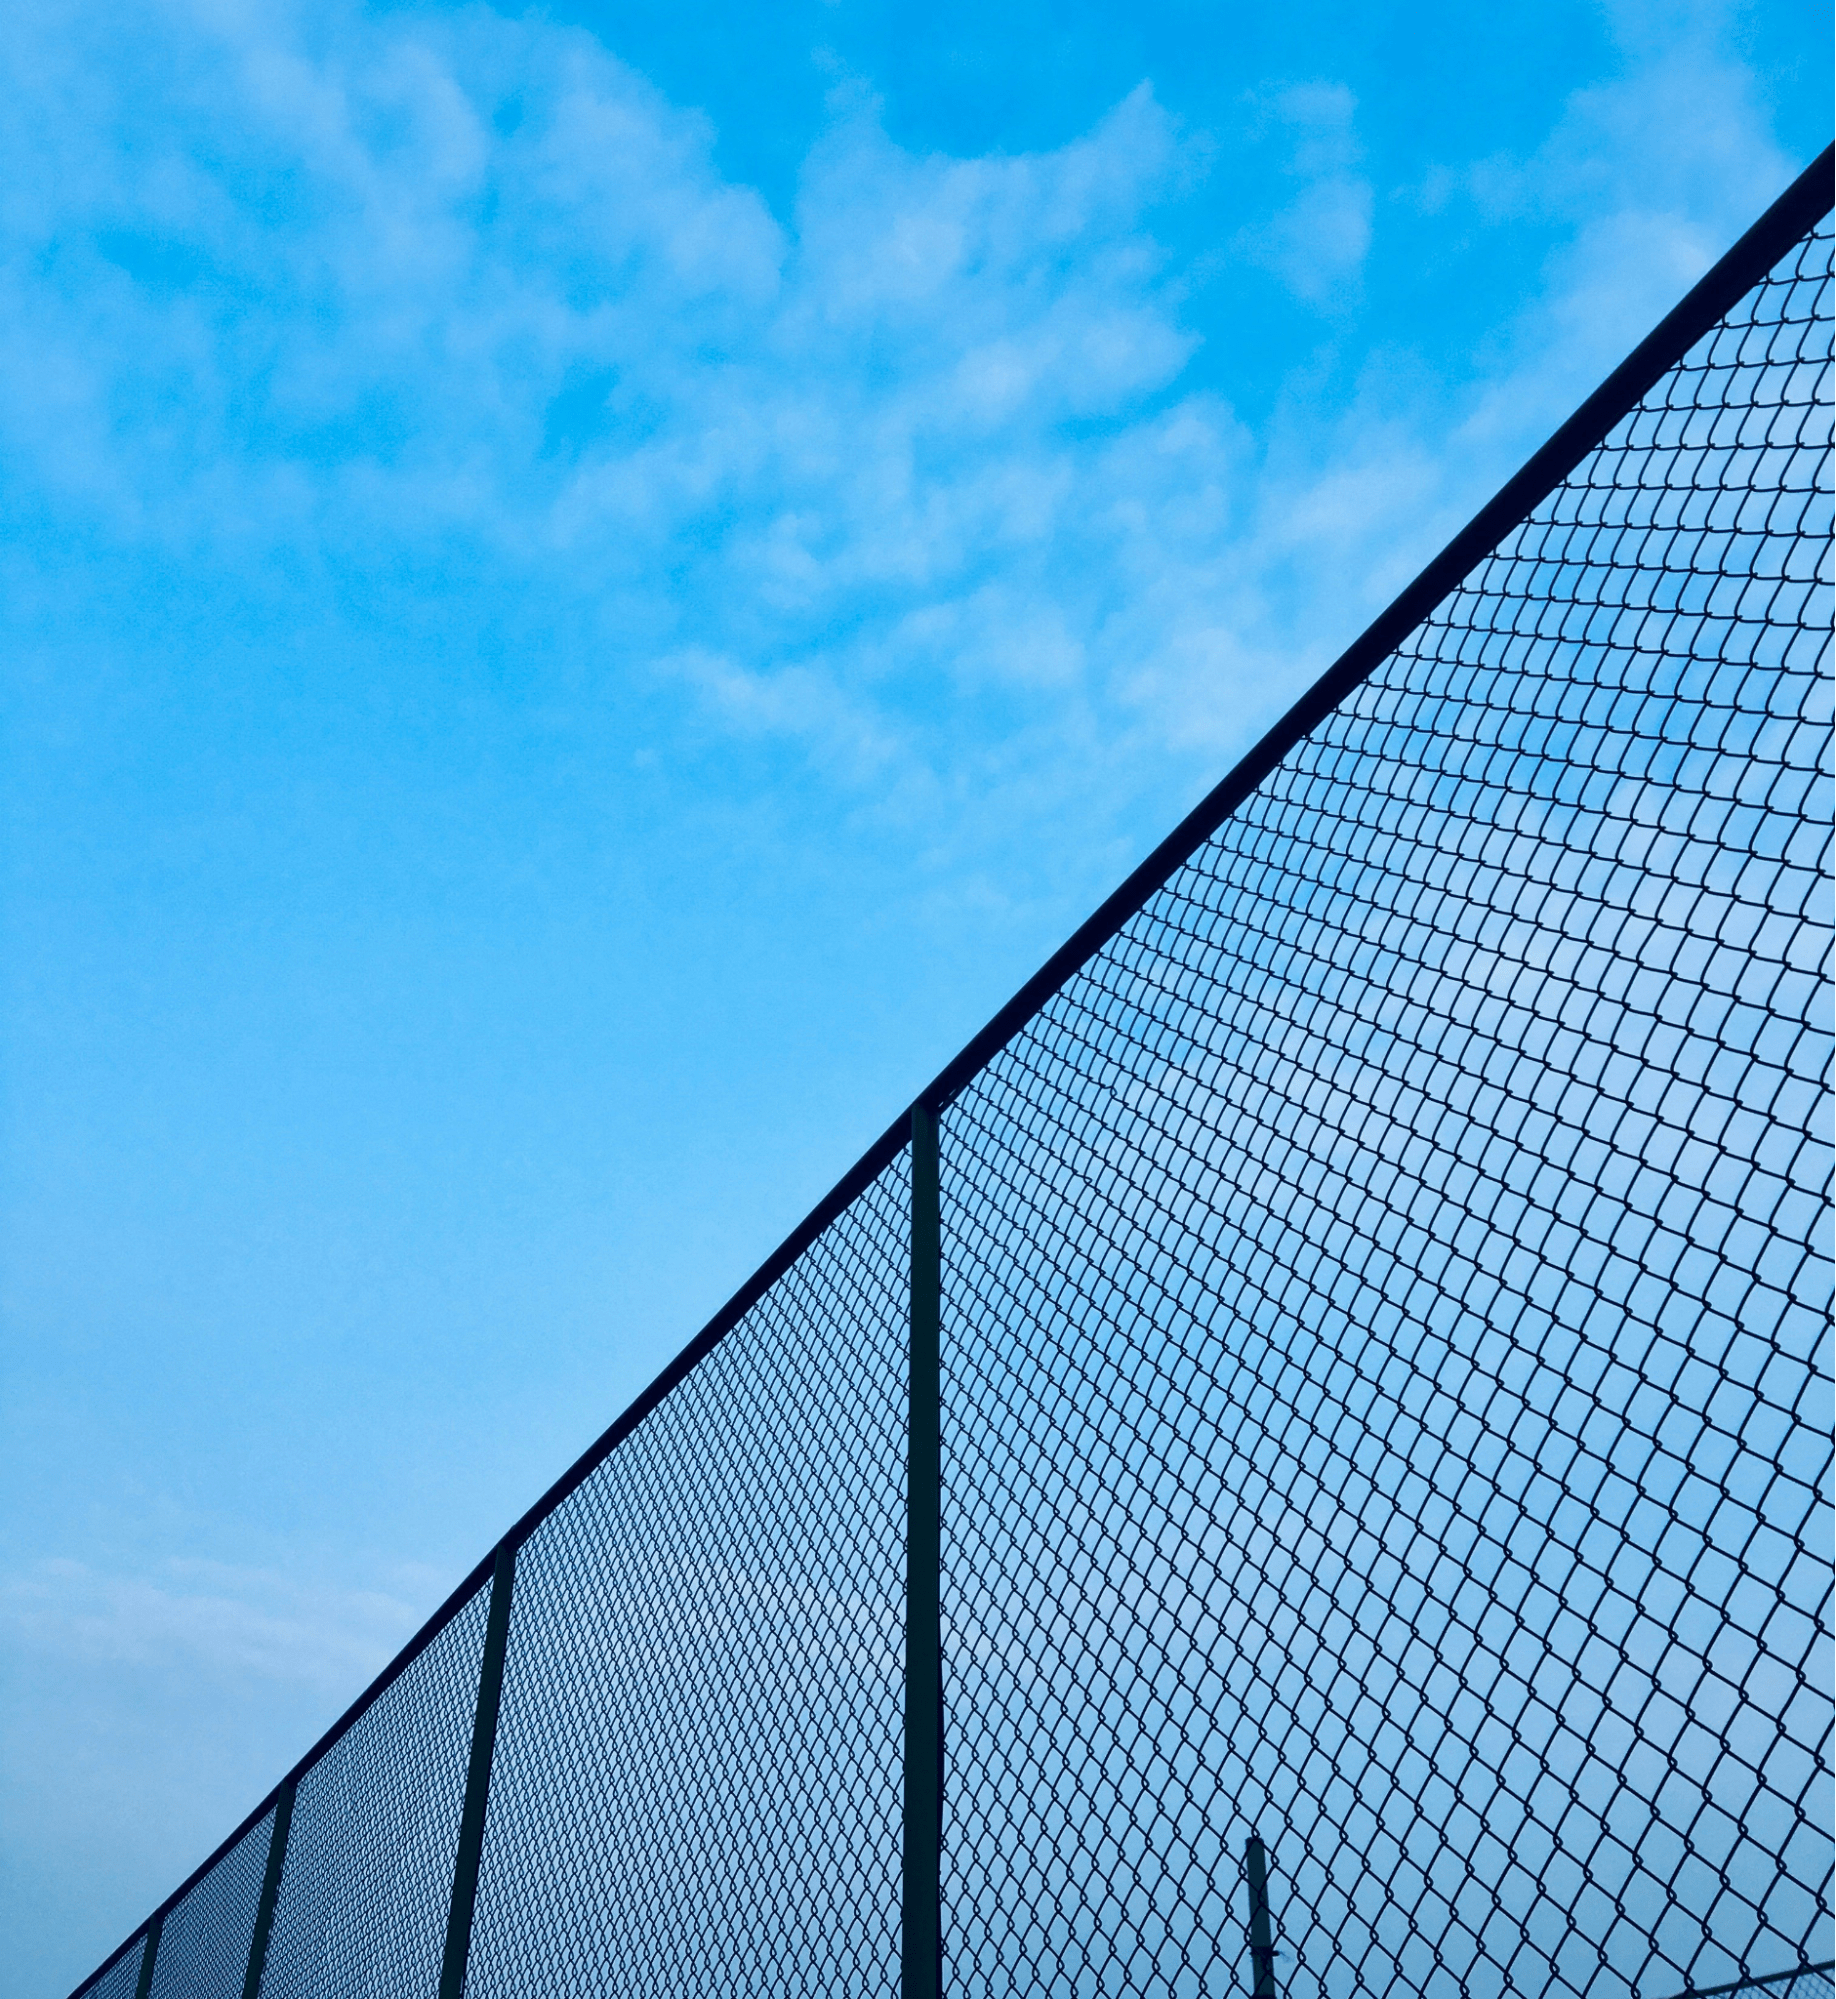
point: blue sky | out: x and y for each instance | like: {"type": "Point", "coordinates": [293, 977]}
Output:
{"type": "Point", "coordinates": [583, 594]}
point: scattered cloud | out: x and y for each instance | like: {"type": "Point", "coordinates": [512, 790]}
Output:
{"type": "Point", "coordinates": [210, 1619]}
{"type": "Point", "coordinates": [1317, 244]}
{"type": "Point", "coordinates": [917, 483]}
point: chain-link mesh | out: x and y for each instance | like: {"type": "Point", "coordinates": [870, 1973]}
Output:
{"type": "Point", "coordinates": [204, 1944]}
{"type": "Point", "coordinates": [1386, 1344]}
{"type": "Point", "coordinates": [369, 1864]}
{"type": "Point", "coordinates": [1812, 1984]}
{"type": "Point", "coordinates": [121, 1978]}
{"type": "Point", "coordinates": [1807, 1985]}
{"type": "Point", "coordinates": [697, 1786]}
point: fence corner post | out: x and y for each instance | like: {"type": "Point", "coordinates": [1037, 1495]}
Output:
{"type": "Point", "coordinates": [922, 1926]}
{"type": "Point", "coordinates": [478, 1776]}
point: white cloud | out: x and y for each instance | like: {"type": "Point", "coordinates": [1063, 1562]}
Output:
{"type": "Point", "coordinates": [1641, 210]}
{"type": "Point", "coordinates": [212, 1618]}
{"type": "Point", "coordinates": [914, 483]}
{"type": "Point", "coordinates": [796, 701]}
{"type": "Point", "coordinates": [1319, 241]}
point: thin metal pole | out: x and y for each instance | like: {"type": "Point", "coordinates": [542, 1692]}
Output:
{"type": "Point", "coordinates": [1262, 1941]}
{"type": "Point", "coordinates": [923, 1931]}
{"type": "Point", "coordinates": [478, 1776]}
{"type": "Point", "coordinates": [143, 1985]}
{"type": "Point", "coordinates": [270, 1892]}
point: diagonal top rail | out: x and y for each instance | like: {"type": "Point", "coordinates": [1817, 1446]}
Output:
{"type": "Point", "coordinates": [1756, 1984]}
{"type": "Point", "coordinates": [1803, 205]}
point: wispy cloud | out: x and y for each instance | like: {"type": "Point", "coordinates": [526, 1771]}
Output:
{"type": "Point", "coordinates": [914, 483]}
{"type": "Point", "coordinates": [1318, 242]}
{"type": "Point", "coordinates": [205, 1618]}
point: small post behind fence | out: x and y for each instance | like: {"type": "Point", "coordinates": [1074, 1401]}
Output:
{"type": "Point", "coordinates": [1261, 1935]}
{"type": "Point", "coordinates": [270, 1892]}
{"type": "Point", "coordinates": [922, 1927]}
{"type": "Point", "coordinates": [478, 1776]}
{"type": "Point", "coordinates": [143, 1985]}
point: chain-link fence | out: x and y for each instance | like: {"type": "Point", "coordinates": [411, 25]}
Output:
{"type": "Point", "coordinates": [1336, 1383]}
{"type": "Point", "coordinates": [1812, 1984]}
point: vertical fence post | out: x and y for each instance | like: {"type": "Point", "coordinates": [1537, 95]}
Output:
{"type": "Point", "coordinates": [1262, 1941]}
{"type": "Point", "coordinates": [143, 1985]}
{"type": "Point", "coordinates": [921, 1966]}
{"type": "Point", "coordinates": [270, 1892]}
{"type": "Point", "coordinates": [478, 1776]}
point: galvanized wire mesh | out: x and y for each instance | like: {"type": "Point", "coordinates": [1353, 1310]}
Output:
{"type": "Point", "coordinates": [1386, 1298]}
{"type": "Point", "coordinates": [1809, 1985]}
{"type": "Point", "coordinates": [697, 1786]}
{"type": "Point", "coordinates": [1812, 1984]}
{"type": "Point", "coordinates": [204, 1943]}
{"type": "Point", "coordinates": [1386, 1388]}
{"type": "Point", "coordinates": [369, 1862]}
{"type": "Point", "coordinates": [121, 1978]}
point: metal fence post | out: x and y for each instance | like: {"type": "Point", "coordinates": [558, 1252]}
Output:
{"type": "Point", "coordinates": [478, 1776]}
{"type": "Point", "coordinates": [921, 1966]}
{"type": "Point", "coordinates": [1262, 1941]}
{"type": "Point", "coordinates": [143, 1985]}
{"type": "Point", "coordinates": [270, 1892]}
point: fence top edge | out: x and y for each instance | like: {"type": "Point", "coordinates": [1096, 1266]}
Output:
{"type": "Point", "coordinates": [1751, 1984]}
{"type": "Point", "coordinates": [430, 1629]}
{"type": "Point", "coordinates": [1803, 204]}
{"type": "Point", "coordinates": [1799, 209]}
